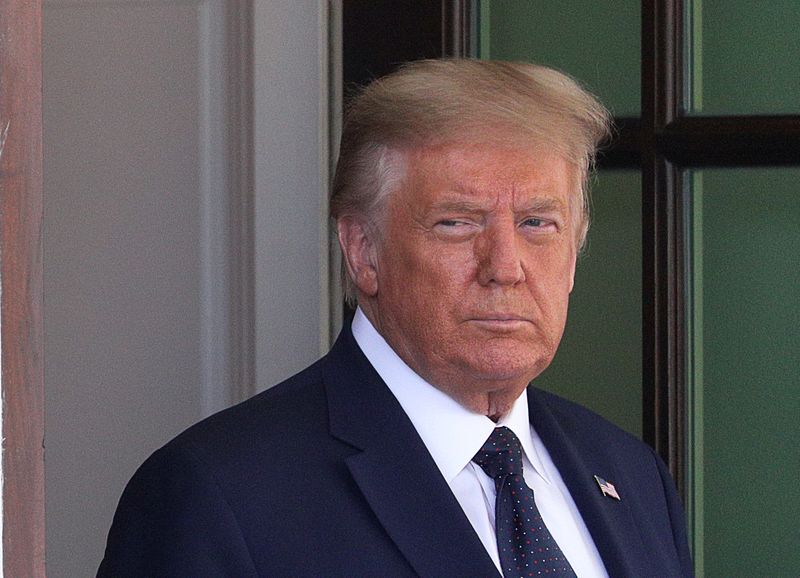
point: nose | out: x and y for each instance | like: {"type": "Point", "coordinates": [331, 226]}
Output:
{"type": "Point", "coordinates": [498, 256]}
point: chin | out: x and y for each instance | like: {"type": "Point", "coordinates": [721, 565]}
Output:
{"type": "Point", "coordinates": [509, 363]}
{"type": "Point", "coordinates": [505, 373]}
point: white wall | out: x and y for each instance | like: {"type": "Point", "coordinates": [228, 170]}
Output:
{"type": "Point", "coordinates": [291, 175]}
{"type": "Point", "coordinates": [137, 250]}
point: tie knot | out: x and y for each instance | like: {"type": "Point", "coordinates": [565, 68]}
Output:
{"type": "Point", "coordinates": [501, 455]}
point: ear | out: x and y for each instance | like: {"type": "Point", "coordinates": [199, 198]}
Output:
{"type": "Point", "coordinates": [359, 252]}
{"type": "Point", "coordinates": [572, 265]}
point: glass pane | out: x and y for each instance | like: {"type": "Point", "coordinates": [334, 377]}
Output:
{"type": "Point", "coordinates": [745, 57]}
{"type": "Point", "coordinates": [745, 397]}
{"type": "Point", "coordinates": [599, 363]}
{"type": "Point", "coordinates": [597, 43]}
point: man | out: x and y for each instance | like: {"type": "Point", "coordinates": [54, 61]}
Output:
{"type": "Point", "coordinates": [416, 446]}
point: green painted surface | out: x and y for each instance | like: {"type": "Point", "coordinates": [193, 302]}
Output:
{"type": "Point", "coordinates": [751, 372]}
{"type": "Point", "coordinates": [695, 439]}
{"type": "Point", "coordinates": [599, 363]}
{"type": "Point", "coordinates": [596, 42]}
{"type": "Point", "coordinates": [749, 54]}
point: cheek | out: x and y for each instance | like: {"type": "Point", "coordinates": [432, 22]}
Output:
{"type": "Point", "coordinates": [550, 279]}
{"type": "Point", "coordinates": [431, 293]}
{"type": "Point", "coordinates": [438, 272]}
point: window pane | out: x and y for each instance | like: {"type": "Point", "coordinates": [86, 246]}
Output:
{"type": "Point", "coordinates": [596, 42]}
{"type": "Point", "coordinates": [745, 57]}
{"type": "Point", "coordinates": [599, 363]}
{"type": "Point", "coordinates": [746, 371]}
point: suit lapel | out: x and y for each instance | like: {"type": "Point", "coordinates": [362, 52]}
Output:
{"type": "Point", "coordinates": [579, 459]}
{"type": "Point", "coordinates": [396, 473]}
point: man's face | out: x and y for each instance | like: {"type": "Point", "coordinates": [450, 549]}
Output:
{"type": "Point", "coordinates": [474, 269]}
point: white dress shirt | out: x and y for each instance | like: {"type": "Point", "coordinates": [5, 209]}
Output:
{"type": "Point", "coordinates": [454, 434]}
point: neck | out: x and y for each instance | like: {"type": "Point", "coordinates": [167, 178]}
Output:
{"type": "Point", "coordinates": [493, 398]}
{"type": "Point", "coordinates": [493, 404]}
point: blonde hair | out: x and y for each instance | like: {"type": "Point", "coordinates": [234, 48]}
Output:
{"type": "Point", "coordinates": [427, 102]}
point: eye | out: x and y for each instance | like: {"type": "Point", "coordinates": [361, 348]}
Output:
{"type": "Point", "coordinates": [533, 222]}
{"type": "Point", "coordinates": [455, 229]}
{"type": "Point", "coordinates": [538, 225]}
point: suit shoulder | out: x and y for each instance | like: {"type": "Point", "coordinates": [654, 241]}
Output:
{"type": "Point", "coordinates": [255, 424]}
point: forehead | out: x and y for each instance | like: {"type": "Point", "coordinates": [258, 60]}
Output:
{"type": "Point", "coordinates": [476, 170]}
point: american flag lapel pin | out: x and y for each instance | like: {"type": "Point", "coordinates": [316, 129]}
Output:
{"type": "Point", "coordinates": [607, 488]}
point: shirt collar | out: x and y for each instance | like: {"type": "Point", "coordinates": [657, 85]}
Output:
{"type": "Point", "coordinates": [452, 433]}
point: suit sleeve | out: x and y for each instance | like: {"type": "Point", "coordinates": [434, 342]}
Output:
{"type": "Point", "coordinates": [173, 520]}
{"type": "Point", "coordinates": [677, 519]}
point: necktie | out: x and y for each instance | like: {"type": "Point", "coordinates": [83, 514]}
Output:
{"type": "Point", "coordinates": [525, 545]}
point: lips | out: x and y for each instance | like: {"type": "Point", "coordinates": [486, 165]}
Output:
{"type": "Point", "coordinates": [501, 317]}
{"type": "Point", "coordinates": [501, 322]}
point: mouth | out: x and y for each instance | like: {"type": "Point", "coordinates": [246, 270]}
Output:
{"type": "Point", "coordinates": [500, 322]}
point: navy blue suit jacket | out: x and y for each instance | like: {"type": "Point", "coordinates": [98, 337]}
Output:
{"type": "Point", "coordinates": [324, 475]}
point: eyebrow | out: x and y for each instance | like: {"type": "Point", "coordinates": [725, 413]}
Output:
{"type": "Point", "coordinates": [545, 204]}
{"type": "Point", "coordinates": [536, 204]}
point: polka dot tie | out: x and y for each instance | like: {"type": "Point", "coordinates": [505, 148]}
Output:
{"type": "Point", "coordinates": [525, 545]}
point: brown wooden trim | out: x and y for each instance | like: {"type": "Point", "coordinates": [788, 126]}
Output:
{"type": "Point", "coordinates": [21, 311]}
{"type": "Point", "coordinates": [662, 237]}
